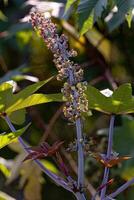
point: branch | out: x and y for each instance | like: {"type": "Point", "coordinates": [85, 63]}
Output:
{"type": "Point", "coordinates": [120, 189]}
{"type": "Point", "coordinates": [109, 151]}
{"type": "Point", "coordinates": [54, 177]}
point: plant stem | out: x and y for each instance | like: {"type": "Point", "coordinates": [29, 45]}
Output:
{"type": "Point", "coordinates": [54, 177]}
{"type": "Point", "coordinates": [120, 189]}
{"type": "Point", "coordinates": [80, 181]}
{"type": "Point", "coordinates": [109, 151]}
{"type": "Point", "coordinates": [80, 154]}
{"type": "Point", "coordinates": [80, 196]}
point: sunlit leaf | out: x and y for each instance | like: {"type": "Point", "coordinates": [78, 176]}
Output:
{"type": "Point", "coordinates": [7, 138]}
{"type": "Point", "coordinates": [4, 170]}
{"type": "Point", "coordinates": [5, 95]}
{"type": "Point", "coordinates": [129, 17]}
{"type": "Point", "coordinates": [120, 102]}
{"type": "Point", "coordinates": [30, 89]}
{"type": "Point", "coordinates": [33, 100]}
{"type": "Point", "coordinates": [12, 103]}
{"type": "Point", "coordinates": [88, 24]}
{"type": "Point", "coordinates": [68, 4]}
{"type": "Point", "coordinates": [50, 166]}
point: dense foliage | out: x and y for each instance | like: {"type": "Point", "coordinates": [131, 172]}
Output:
{"type": "Point", "coordinates": [31, 100]}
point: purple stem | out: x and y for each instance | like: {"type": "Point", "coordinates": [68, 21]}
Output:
{"type": "Point", "coordinates": [80, 196]}
{"type": "Point", "coordinates": [120, 189]}
{"type": "Point", "coordinates": [109, 151]}
{"type": "Point", "coordinates": [80, 180]}
{"type": "Point", "coordinates": [80, 154]}
{"type": "Point", "coordinates": [54, 177]}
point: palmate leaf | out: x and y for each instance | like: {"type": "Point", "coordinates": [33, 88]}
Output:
{"type": "Point", "coordinates": [87, 10]}
{"type": "Point", "coordinates": [14, 104]}
{"type": "Point", "coordinates": [7, 98]}
{"type": "Point", "coordinates": [7, 138]}
{"type": "Point", "coordinates": [120, 102]}
{"type": "Point", "coordinates": [33, 100]}
{"type": "Point", "coordinates": [123, 8]}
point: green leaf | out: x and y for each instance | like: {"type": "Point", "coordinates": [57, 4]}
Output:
{"type": "Point", "coordinates": [18, 117]}
{"type": "Point", "coordinates": [3, 16]}
{"type": "Point", "coordinates": [100, 6]}
{"type": "Point", "coordinates": [98, 101]}
{"type": "Point", "coordinates": [121, 101]}
{"type": "Point", "coordinates": [68, 4]}
{"type": "Point", "coordinates": [30, 89]}
{"type": "Point", "coordinates": [124, 144]}
{"type": "Point", "coordinates": [88, 13]}
{"type": "Point", "coordinates": [8, 99]}
{"type": "Point", "coordinates": [50, 166]}
{"type": "Point", "coordinates": [14, 104]}
{"type": "Point", "coordinates": [7, 138]}
{"type": "Point", "coordinates": [129, 17]}
{"type": "Point", "coordinates": [4, 170]}
{"type": "Point", "coordinates": [6, 95]}
{"type": "Point", "coordinates": [85, 8]}
{"type": "Point", "coordinates": [123, 8]}
{"type": "Point", "coordinates": [33, 100]}
{"type": "Point", "coordinates": [88, 24]}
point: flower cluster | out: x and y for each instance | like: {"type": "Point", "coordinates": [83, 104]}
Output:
{"type": "Point", "coordinates": [76, 100]}
{"type": "Point", "coordinates": [74, 88]}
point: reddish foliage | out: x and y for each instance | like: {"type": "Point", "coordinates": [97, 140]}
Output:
{"type": "Point", "coordinates": [43, 150]}
{"type": "Point", "coordinates": [110, 162]}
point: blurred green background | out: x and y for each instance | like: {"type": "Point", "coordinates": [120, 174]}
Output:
{"type": "Point", "coordinates": [107, 58]}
